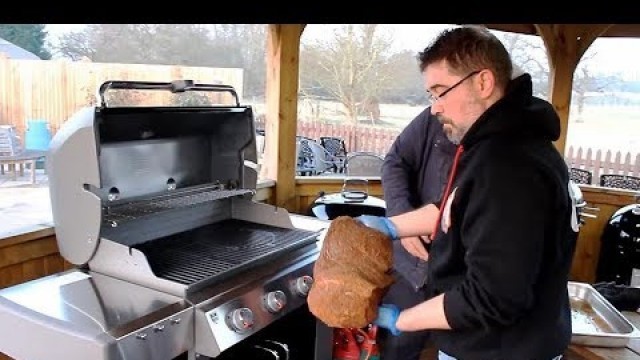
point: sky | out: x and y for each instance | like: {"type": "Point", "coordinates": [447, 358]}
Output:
{"type": "Point", "coordinates": [607, 56]}
{"type": "Point", "coordinates": [415, 37]}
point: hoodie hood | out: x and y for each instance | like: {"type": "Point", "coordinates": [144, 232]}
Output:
{"type": "Point", "coordinates": [518, 114]}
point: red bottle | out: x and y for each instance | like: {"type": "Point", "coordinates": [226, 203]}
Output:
{"type": "Point", "coordinates": [345, 346]}
{"type": "Point", "coordinates": [369, 348]}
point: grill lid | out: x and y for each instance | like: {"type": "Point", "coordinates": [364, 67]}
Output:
{"type": "Point", "coordinates": [112, 164]}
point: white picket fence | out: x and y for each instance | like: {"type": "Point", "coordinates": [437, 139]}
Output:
{"type": "Point", "coordinates": [599, 162]}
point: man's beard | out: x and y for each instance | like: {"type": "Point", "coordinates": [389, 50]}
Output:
{"type": "Point", "coordinates": [450, 130]}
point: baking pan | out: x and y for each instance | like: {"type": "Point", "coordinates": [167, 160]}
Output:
{"type": "Point", "coordinates": [595, 322]}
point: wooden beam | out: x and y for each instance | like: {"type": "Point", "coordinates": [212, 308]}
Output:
{"type": "Point", "coordinates": [562, 52]}
{"type": "Point", "coordinates": [615, 30]}
{"type": "Point", "coordinates": [566, 44]}
{"type": "Point", "coordinates": [283, 50]}
{"type": "Point", "coordinates": [588, 33]}
{"type": "Point", "coordinates": [526, 29]}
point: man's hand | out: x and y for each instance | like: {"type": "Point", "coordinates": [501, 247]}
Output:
{"type": "Point", "coordinates": [380, 223]}
{"type": "Point", "coordinates": [387, 318]}
{"type": "Point", "coordinates": [415, 246]}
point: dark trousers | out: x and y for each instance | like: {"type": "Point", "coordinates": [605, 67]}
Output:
{"type": "Point", "coordinates": [408, 345]}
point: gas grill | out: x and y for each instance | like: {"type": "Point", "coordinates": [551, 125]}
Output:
{"type": "Point", "coordinates": [174, 258]}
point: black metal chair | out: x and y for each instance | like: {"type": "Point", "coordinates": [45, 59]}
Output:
{"type": "Point", "coordinates": [580, 176]}
{"type": "Point", "coordinates": [312, 158]}
{"type": "Point", "coordinates": [338, 150]}
{"type": "Point", "coordinates": [364, 164]}
{"type": "Point", "coordinates": [304, 157]}
{"type": "Point", "coordinates": [620, 181]}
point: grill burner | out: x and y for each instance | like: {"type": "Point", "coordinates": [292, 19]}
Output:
{"type": "Point", "coordinates": [214, 252]}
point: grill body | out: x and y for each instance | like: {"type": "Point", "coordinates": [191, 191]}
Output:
{"type": "Point", "coordinates": [619, 259]}
{"type": "Point", "coordinates": [174, 258]}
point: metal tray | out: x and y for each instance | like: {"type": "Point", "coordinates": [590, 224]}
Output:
{"type": "Point", "coordinates": [595, 322]}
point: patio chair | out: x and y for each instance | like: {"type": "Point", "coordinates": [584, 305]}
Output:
{"type": "Point", "coordinates": [10, 144]}
{"type": "Point", "coordinates": [312, 158]}
{"type": "Point", "coordinates": [260, 138]}
{"type": "Point", "coordinates": [364, 164]}
{"type": "Point", "coordinates": [304, 158]}
{"type": "Point", "coordinates": [580, 176]}
{"type": "Point", "coordinates": [13, 154]}
{"type": "Point", "coordinates": [620, 181]}
{"type": "Point", "coordinates": [338, 150]}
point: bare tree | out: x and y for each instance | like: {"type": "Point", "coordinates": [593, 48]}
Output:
{"type": "Point", "coordinates": [227, 45]}
{"type": "Point", "coordinates": [528, 53]}
{"type": "Point", "coordinates": [243, 45]}
{"type": "Point", "coordinates": [585, 82]}
{"type": "Point", "coordinates": [107, 43]}
{"type": "Point", "coordinates": [407, 86]}
{"type": "Point", "coordinates": [310, 107]}
{"type": "Point", "coordinates": [348, 67]}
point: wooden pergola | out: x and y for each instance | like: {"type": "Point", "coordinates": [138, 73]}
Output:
{"type": "Point", "coordinates": [565, 45]}
{"type": "Point", "coordinates": [34, 254]}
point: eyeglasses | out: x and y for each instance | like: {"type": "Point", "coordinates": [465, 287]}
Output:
{"type": "Point", "coordinates": [433, 98]}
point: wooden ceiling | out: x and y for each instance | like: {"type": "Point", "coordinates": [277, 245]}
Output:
{"type": "Point", "coordinates": [617, 30]}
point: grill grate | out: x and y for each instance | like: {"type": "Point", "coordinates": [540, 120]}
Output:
{"type": "Point", "coordinates": [132, 211]}
{"type": "Point", "coordinates": [219, 250]}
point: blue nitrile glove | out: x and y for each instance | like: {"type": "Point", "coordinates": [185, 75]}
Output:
{"type": "Point", "coordinates": [387, 318]}
{"type": "Point", "coordinates": [381, 224]}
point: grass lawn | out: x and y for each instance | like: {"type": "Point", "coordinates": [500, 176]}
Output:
{"type": "Point", "coordinates": [606, 128]}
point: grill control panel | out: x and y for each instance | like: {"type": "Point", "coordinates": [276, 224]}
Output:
{"type": "Point", "coordinates": [240, 320]}
{"type": "Point", "coordinates": [250, 308]}
{"type": "Point", "coordinates": [303, 285]}
{"type": "Point", "coordinates": [275, 301]}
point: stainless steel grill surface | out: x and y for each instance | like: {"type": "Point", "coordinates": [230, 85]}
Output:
{"type": "Point", "coordinates": [174, 258]}
{"type": "Point", "coordinates": [214, 252]}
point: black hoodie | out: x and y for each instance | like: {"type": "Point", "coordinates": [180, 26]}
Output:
{"type": "Point", "coordinates": [503, 263]}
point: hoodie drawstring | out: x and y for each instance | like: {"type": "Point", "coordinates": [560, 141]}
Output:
{"type": "Point", "coordinates": [454, 168]}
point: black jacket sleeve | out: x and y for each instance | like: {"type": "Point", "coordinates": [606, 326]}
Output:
{"type": "Point", "coordinates": [401, 167]}
{"type": "Point", "coordinates": [503, 232]}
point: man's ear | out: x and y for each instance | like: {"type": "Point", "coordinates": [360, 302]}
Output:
{"type": "Point", "coordinates": [486, 83]}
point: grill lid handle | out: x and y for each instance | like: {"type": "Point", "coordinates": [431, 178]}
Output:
{"type": "Point", "coordinates": [175, 86]}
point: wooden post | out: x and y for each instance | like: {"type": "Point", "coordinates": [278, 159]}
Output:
{"type": "Point", "coordinates": [565, 44]}
{"type": "Point", "coordinates": [283, 48]}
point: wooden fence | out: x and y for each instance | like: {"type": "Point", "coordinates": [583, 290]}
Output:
{"type": "Point", "coordinates": [600, 162]}
{"type": "Point", "coordinates": [54, 90]}
{"type": "Point", "coordinates": [359, 138]}
{"type": "Point", "coordinates": [356, 138]}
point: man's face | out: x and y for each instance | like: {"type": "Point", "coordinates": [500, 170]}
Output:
{"type": "Point", "coordinates": [454, 99]}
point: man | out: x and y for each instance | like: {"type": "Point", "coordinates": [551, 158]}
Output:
{"type": "Point", "coordinates": [414, 174]}
{"type": "Point", "coordinates": [503, 238]}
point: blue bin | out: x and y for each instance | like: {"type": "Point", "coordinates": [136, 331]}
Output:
{"type": "Point", "coordinates": [37, 137]}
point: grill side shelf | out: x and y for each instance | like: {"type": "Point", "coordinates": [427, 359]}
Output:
{"type": "Point", "coordinates": [116, 214]}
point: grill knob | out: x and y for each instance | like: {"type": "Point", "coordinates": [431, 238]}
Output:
{"type": "Point", "coordinates": [303, 285]}
{"type": "Point", "coordinates": [240, 320]}
{"type": "Point", "coordinates": [275, 301]}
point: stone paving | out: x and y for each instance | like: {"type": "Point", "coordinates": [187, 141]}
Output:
{"type": "Point", "coordinates": [24, 206]}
